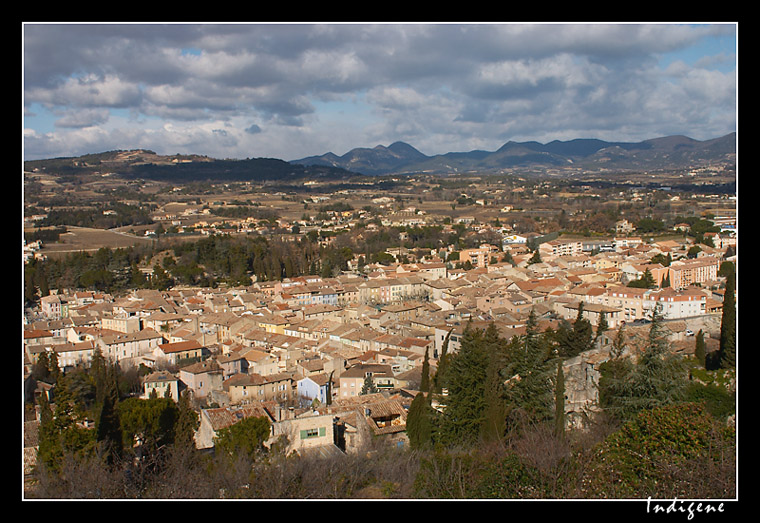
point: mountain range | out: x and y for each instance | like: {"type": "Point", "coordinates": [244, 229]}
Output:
{"type": "Point", "coordinates": [671, 152]}
{"type": "Point", "coordinates": [554, 158]}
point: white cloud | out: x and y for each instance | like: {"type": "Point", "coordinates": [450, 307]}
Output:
{"type": "Point", "coordinates": [439, 87]}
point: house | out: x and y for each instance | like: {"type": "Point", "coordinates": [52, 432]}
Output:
{"type": "Point", "coordinates": [555, 248]}
{"type": "Point", "coordinates": [178, 351]}
{"type": "Point", "coordinates": [71, 355]}
{"type": "Point", "coordinates": [312, 433]}
{"type": "Point", "coordinates": [243, 388]}
{"type": "Point", "coordinates": [592, 312]}
{"type": "Point", "coordinates": [316, 386]}
{"type": "Point", "coordinates": [163, 383]}
{"type": "Point", "coordinates": [351, 380]}
{"type": "Point", "coordinates": [361, 419]}
{"type": "Point", "coordinates": [131, 347]}
{"type": "Point", "coordinates": [689, 272]}
{"type": "Point", "coordinates": [202, 377]}
{"type": "Point", "coordinates": [233, 363]}
{"type": "Point", "coordinates": [214, 420]}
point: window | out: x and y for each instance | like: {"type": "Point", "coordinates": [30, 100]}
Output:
{"type": "Point", "coordinates": [313, 433]}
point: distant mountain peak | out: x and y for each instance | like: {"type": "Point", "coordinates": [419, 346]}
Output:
{"type": "Point", "coordinates": [580, 153]}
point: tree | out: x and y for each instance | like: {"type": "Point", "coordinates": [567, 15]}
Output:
{"type": "Point", "coordinates": [108, 431]}
{"type": "Point", "coordinates": [60, 432]}
{"type": "Point", "coordinates": [494, 422]}
{"type": "Point", "coordinates": [187, 422]}
{"type": "Point", "coordinates": [602, 326]}
{"type": "Point", "coordinates": [579, 338]}
{"type": "Point", "coordinates": [657, 378]}
{"type": "Point", "coordinates": [247, 436]}
{"type": "Point", "coordinates": [466, 402]}
{"type": "Point", "coordinates": [419, 426]}
{"type": "Point", "coordinates": [529, 374]}
{"type": "Point", "coordinates": [619, 343]}
{"type": "Point", "coordinates": [149, 422]}
{"type": "Point", "coordinates": [727, 349]}
{"type": "Point", "coordinates": [699, 348]}
{"type": "Point", "coordinates": [369, 385]}
{"type": "Point", "coordinates": [425, 378]}
{"type": "Point", "coordinates": [439, 380]}
{"type": "Point", "coordinates": [559, 402]}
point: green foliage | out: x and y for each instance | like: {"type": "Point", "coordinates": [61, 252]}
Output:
{"type": "Point", "coordinates": [657, 378]}
{"type": "Point", "coordinates": [699, 348]}
{"type": "Point", "coordinates": [559, 402]}
{"type": "Point", "coordinates": [645, 282]}
{"type": "Point", "coordinates": [419, 422]}
{"type": "Point", "coordinates": [717, 400]}
{"type": "Point", "coordinates": [247, 436]}
{"type": "Point", "coordinates": [578, 339]}
{"type": "Point", "coordinates": [529, 376]}
{"type": "Point", "coordinates": [637, 461]}
{"type": "Point", "coordinates": [150, 422]}
{"type": "Point", "coordinates": [368, 387]}
{"type": "Point", "coordinates": [727, 349]}
{"type": "Point", "coordinates": [60, 432]}
{"type": "Point", "coordinates": [466, 380]}
{"type": "Point", "coordinates": [649, 225]}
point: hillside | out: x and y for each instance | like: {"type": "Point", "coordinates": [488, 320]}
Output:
{"type": "Point", "coordinates": [146, 164]}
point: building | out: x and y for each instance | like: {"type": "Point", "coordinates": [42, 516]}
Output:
{"type": "Point", "coordinates": [690, 272]}
{"type": "Point", "coordinates": [560, 248]}
{"type": "Point", "coordinates": [164, 384]}
{"type": "Point", "coordinates": [351, 381]}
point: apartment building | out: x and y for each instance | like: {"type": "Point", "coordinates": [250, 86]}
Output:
{"type": "Point", "coordinates": [697, 271]}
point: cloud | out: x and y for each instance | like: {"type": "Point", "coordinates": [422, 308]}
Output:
{"type": "Point", "coordinates": [437, 86]}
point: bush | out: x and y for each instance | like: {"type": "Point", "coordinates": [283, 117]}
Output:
{"type": "Point", "coordinates": [654, 452]}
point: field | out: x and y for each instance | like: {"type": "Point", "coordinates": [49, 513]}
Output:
{"type": "Point", "coordinates": [89, 240]}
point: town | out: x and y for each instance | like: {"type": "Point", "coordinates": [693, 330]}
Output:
{"type": "Point", "coordinates": [334, 354]}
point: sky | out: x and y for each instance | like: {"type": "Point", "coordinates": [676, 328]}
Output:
{"type": "Point", "coordinates": [289, 91]}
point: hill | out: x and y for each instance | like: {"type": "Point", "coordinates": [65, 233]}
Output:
{"type": "Point", "coordinates": [560, 158]}
{"type": "Point", "coordinates": [146, 164]}
{"type": "Point", "coordinates": [672, 152]}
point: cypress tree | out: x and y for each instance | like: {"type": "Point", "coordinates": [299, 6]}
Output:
{"type": "Point", "coordinates": [439, 380]}
{"type": "Point", "coordinates": [559, 402]}
{"type": "Point", "coordinates": [419, 426]}
{"type": "Point", "coordinates": [699, 349]}
{"type": "Point", "coordinates": [425, 379]}
{"type": "Point", "coordinates": [108, 431]}
{"type": "Point", "coordinates": [495, 412]}
{"type": "Point", "coordinates": [728, 325]}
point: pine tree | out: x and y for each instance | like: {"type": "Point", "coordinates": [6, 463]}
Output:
{"type": "Point", "coordinates": [529, 373]}
{"type": "Point", "coordinates": [369, 386]}
{"type": "Point", "coordinates": [108, 431]}
{"type": "Point", "coordinates": [466, 402]}
{"type": "Point", "coordinates": [657, 378]}
{"type": "Point", "coordinates": [602, 326]}
{"type": "Point", "coordinates": [619, 343]}
{"type": "Point", "coordinates": [187, 422]}
{"type": "Point", "coordinates": [579, 338]}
